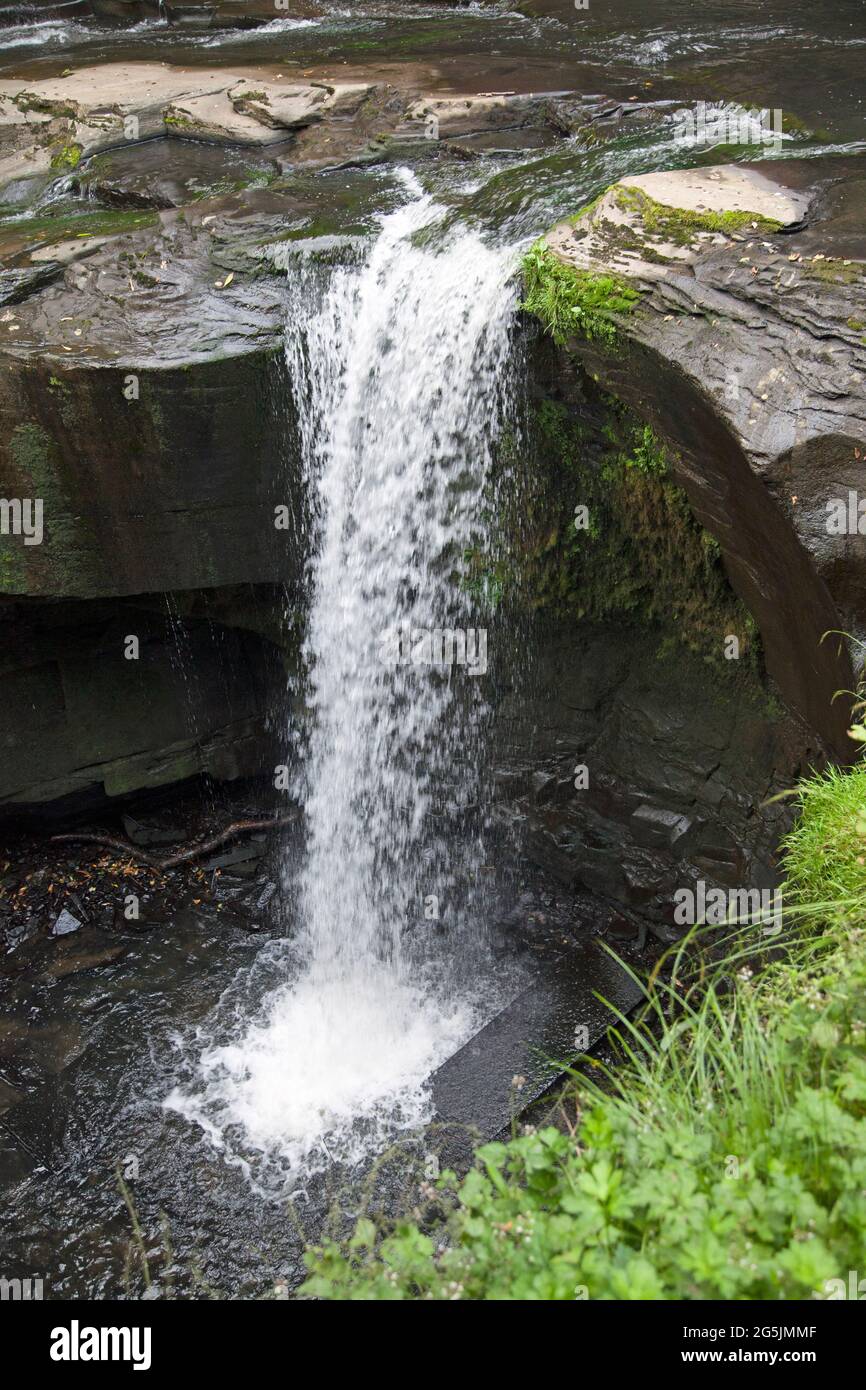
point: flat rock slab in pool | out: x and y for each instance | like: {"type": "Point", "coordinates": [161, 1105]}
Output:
{"type": "Point", "coordinates": [557, 1016]}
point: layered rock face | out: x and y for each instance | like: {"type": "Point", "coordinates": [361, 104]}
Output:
{"type": "Point", "coordinates": [723, 306]}
{"type": "Point", "coordinates": [88, 715]}
{"type": "Point", "coordinates": [744, 348]}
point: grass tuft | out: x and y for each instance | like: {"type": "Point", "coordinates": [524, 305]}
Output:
{"type": "Point", "coordinates": [569, 301]}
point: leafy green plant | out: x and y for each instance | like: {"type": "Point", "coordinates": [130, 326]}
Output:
{"type": "Point", "coordinates": [649, 454]}
{"type": "Point", "coordinates": [569, 300]}
{"type": "Point", "coordinates": [67, 157]}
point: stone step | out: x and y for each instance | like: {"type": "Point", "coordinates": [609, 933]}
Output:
{"type": "Point", "coordinates": [556, 1017]}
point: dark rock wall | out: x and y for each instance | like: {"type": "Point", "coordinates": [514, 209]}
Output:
{"type": "Point", "coordinates": [81, 720]}
{"type": "Point", "coordinates": [769, 566]}
{"type": "Point", "coordinates": [157, 506]}
{"type": "Point", "coordinates": [173, 487]}
{"type": "Point", "coordinates": [632, 756]}
{"type": "Point", "coordinates": [679, 759]}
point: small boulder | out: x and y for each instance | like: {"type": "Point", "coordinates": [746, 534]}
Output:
{"type": "Point", "coordinates": [65, 924]}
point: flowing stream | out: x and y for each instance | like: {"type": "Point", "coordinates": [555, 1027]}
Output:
{"type": "Point", "coordinates": [404, 377]}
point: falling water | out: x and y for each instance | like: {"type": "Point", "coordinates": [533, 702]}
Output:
{"type": "Point", "coordinates": [402, 383]}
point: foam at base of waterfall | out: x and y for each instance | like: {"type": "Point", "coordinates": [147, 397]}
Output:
{"type": "Point", "coordinates": [334, 1070]}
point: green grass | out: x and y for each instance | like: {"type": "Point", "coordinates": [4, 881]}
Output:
{"type": "Point", "coordinates": [826, 851]}
{"type": "Point", "coordinates": [571, 302]}
{"type": "Point", "coordinates": [723, 1157]}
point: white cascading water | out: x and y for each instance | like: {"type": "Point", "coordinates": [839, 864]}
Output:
{"type": "Point", "coordinates": [401, 376]}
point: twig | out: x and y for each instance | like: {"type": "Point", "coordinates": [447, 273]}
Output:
{"type": "Point", "coordinates": [237, 827]}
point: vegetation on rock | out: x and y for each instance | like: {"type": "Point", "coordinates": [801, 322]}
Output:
{"type": "Point", "coordinates": [680, 225]}
{"type": "Point", "coordinates": [571, 301]}
{"type": "Point", "coordinates": [67, 157]}
{"type": "Point", "coordinates": [636, 551]}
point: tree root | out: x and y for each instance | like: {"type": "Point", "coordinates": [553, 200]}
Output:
{"type": "Point", "coordinates": [181, 856]}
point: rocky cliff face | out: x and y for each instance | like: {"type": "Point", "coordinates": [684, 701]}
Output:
{"type": "Point", "coordinates": [642, 737]}
{"type": "Point", "coordinates": [742, 343]}
{"type": "Point", "coordinates": [723, 306]}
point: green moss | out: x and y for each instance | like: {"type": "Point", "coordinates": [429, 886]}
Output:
{"type": "Point", "coordinates": [589, 136]}
{"type": "Point", "coordinates": [13, 575]}
{"type": "Point", "coordinates": [32, 452]}
{"type": "Point", "coordinates": [174, 120]}
{"type": "Point", "coordinates": [637, 555]}
{"type": "Point", "coordinates": [833, 272]}
{"type": "Point", "coordinates": [60, 110]}
{"type": "Point", "coordinates": [62, 227]}
{"type": "Point", "coordinates": [67, 156]}
{"type": "Point", "coordinates": [589, 207]}
{"type": "Point", "coordinates": [856, 324]}
{"type": "Point", "coordinates": [570, 301]}
{"type": "Point", "coordinates": [681, 225]}
{"type": "Point", "coordinates": [794, 125]}
{"type": "Point", "coordinates": [37, 461]}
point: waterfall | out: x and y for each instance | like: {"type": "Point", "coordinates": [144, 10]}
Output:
{"type": "Point", "coordinates": [401, 372]}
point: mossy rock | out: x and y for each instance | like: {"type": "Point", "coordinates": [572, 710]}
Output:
{"type": "Point", "coordinates": [680, 226]}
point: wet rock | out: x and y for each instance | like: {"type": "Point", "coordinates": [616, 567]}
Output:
{"type": "Point", "coordinates": [142, 834]}
{"type": "Point", "coordinates": [651, 825]}
{"type": "Point", "coordinates": [520, 1053]}
{"type": "Point", "coordinates": [242, 859]}
{"type": "Point", "coordinates": [281, 110]}
{"type": "Point", "coordinates": [65, 924]}
{"type": "Point", "coordinates": [243, 14]}
{"type": "Point", "coordinates": [190, 518]}
{"type": "Point", "coordinates": [265, 896]}
{"type": "Point", "coordinates": [77, 718]}
{"type": "Point", "coordinates": [8, 1096]}
{"type": "Point", "coordinates": [79, 960]}
{"type": "Point", "coordinates": [31, 1053]}
{"type": "Point", "coordinates": [19, 282]}
{"type": "Point", "coordinates": [446, 117]}
{"type": "Point", "coordinates": [680, 754]}
{"type": "Point", "coordinates": [622, 928]}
